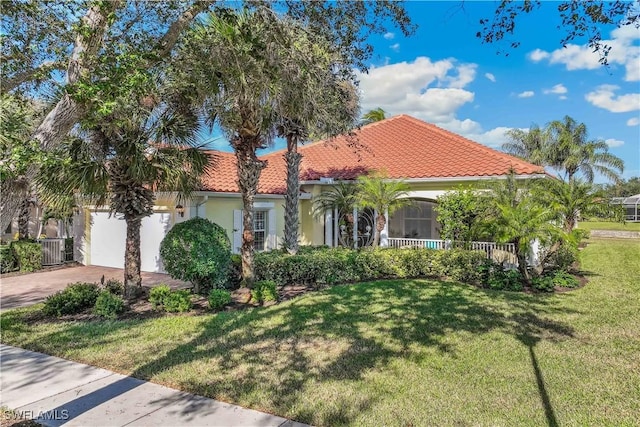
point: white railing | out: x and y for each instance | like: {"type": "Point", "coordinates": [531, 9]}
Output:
{"type": "Point", "coordinates": [52, 251]}
{"type": "Point", "coordinates": [501, 252]}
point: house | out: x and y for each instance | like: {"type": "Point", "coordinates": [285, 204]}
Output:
{"type": "Point", "coordinates": [430, 159]}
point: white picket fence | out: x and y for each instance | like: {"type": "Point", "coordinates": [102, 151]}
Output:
{"type": "Point", "coordinates": [501, 252]}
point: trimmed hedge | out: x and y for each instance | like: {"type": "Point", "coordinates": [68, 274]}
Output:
{"type": "Point", "coordinates": [339, 265]}
{"type": "Point", "coordinates": [7, 259]}
{"type": "Point", "coordinates": [28, 255]}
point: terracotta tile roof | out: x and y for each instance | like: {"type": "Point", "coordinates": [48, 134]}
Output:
{"type": "Point", "coordinates": [403, 146]}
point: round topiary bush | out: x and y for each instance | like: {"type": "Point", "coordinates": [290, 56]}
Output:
{"type": "Point", "coordinates": [198, 251]}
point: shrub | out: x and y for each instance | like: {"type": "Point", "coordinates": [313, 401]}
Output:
{"type": "Point", "coordinates": [73, 299]}
{"type": "Point", "coordinates": [199, 251]}
{"type": "Point", "coordinates": [264, 290]}
{"type": "Point", "coordinates": [108, 305]}
{"type": "Point", "coordinates": [28, 255]}
{"type": "Point", "coordinates": [340, 265]}
{"type": "Point", "coordinates": [235, 272]}
{"type": "Point", "coordinates": [560, 278]}
{"type": "Point", "coordinates": [499, 279]}
{"type": "Point", "coordinates": [562, 259]}
{"type": "Point", "coordinates": [218, 298]}
{"type": "Point", "coordinates": [565, 280]}
{"type": "Point", "coordinates": [163, 298]}
{"type": "Point", "coordinates": [114, 286]}
{"type": "Point", "coordinates": [178, 301]}
{"type": "Point", "coordinates": [7, 259]}
{"type": "Point", "coordinates": [158, 296]}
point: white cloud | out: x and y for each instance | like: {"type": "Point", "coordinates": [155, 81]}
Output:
{"type": "Point", "coordinates": [466, 74]}
{"type": "Point", "coordinates": [562, 97]}
{"type": "Point", "coordinates": [526, 94]}
{"type": "Point", "coordinates": [633, 121]}
{"type": "Point", "coordinates": [538, 55]}
{"type": "Point", "coordinates": [490, 77]}
{"type": "Point", "coordinates": [430, 90]}
{"type": "Point", "coordinates": [389, 36]}
{"type": "Point", "coordinates": [558, 89]}
{"type": "Point", "coordinates": [604, 97]}
{"type": "Point", "coordinates": [395, 47]}
{"type": "Point", "coordinates": [612, 143]}
{"type": "Point", "coordinates": [624, 52]}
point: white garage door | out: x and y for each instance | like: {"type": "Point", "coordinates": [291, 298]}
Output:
{"type": "Point", "coordinates": [108, 236]}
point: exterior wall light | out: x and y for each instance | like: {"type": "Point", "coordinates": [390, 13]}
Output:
{"type": "Point", "coordinates": [180, 210]}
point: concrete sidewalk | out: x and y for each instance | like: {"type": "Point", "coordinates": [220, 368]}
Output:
{"type": "Point", "coordinates": [58, 392]}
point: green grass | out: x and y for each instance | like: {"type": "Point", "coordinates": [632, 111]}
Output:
{"type": "Point", "coordinates": [397, 353]}
{"type": "Point", "coordinates": [609, 225]}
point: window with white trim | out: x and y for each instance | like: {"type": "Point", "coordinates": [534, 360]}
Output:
{"type": "Point", "coordinates": [259, 230]}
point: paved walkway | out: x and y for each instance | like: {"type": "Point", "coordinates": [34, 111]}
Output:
{"type": "Point", "coordinates": [615, 234]}
{"type": "Point", "coordinates": [28, 289]}
{"type": "Point", "coordinates": [59, 392]}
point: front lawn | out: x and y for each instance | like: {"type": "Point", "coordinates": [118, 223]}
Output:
{"type": "Point", "coordinates": [609, 225]}
{"type": "Point", "coordinates": [405, 352]}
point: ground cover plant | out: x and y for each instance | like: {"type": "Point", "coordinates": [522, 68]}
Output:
{"type": "Point", "coordinates": [396, 352]}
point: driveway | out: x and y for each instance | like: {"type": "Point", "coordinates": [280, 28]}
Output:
{"type": "Point", "coordinates": [28, 289]}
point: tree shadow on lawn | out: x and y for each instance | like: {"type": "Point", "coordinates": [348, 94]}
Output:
{"type": "Point", "coordinates": [270, 359]}
{"type": "Point", "coordinates": [306, 358]}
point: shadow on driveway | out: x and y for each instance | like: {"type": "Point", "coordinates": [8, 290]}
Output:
{"type": "Point", "coordinates": [28, 289]}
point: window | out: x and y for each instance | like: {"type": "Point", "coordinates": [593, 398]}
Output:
{"type": "Point", "coordinates": [259, 230]}
{"type": "Point", "coordinates": [9, 229]}
{"type": "Point", "coordinates": [416, 221]}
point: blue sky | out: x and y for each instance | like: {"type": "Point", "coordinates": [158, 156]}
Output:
{"type": "Point", "coordinates": [444, 75]}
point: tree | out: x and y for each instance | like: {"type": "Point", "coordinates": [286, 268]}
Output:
{"type": "Point", "coordinates": [580, 19]}
{"type": "Point", "coordinates": [572, 200]}
{"type": "Point", "coordinates": [83, 40]}
{"type": "Point", "coordinates": [241, 95]}
{"type": "Point", "coordinates": [519, 218]}
{"type": "Point", "coordinates": [572, 153]}
{"type": "Point", "coordinates": [374, 115]}
{"type": "Point", "coordinates": [530, 145]}
{"type": "Point", "coordinates": [123, 158]}
{"type": "Point", "coordinates": [461, 213]}
{"type": "Point", "coordinates": [385, 196]}
{"type": "Point", "coordinates": [341, 197]}
{"type": "Point", "coordinates": [317, 99]}
{"type": "Point", "coordinates": [623, 188]}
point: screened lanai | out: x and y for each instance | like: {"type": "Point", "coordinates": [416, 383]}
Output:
{"type": "Point", "coordinates": [631, 206]}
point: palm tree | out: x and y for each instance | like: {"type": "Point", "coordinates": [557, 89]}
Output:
{"type": "Point", "coordinates": [572, 200]}
{"type": "Point", "coordinates": [373, 116]}
{"type": "Point", "coordinates": [123, 160]}
{"type": "Point", "coordinates": [571, 153]}
{"type": "Point", "coordinates": [377, 192]}
{"type": "Point", "coordinates": [519, 218]}
{"type": "Point", "coordinates": [318, 99]}
{"type": "Point", "coordinates": [341, 197]}
{"type": "Point", "coordinates": [230, 63]}
{"type": "Point", "coordinates": [530, 145]}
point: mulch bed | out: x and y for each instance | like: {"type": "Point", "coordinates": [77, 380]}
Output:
{"type": "Point", "coordinates": [141, 308]}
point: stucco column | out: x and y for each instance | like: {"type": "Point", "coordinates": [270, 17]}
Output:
{"type": "Point", "coordinates": [355, 228]}
{"type": "Point", "coordinates": [384, 234]}
{"type": "Point", "coordinates": [328, 228]}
